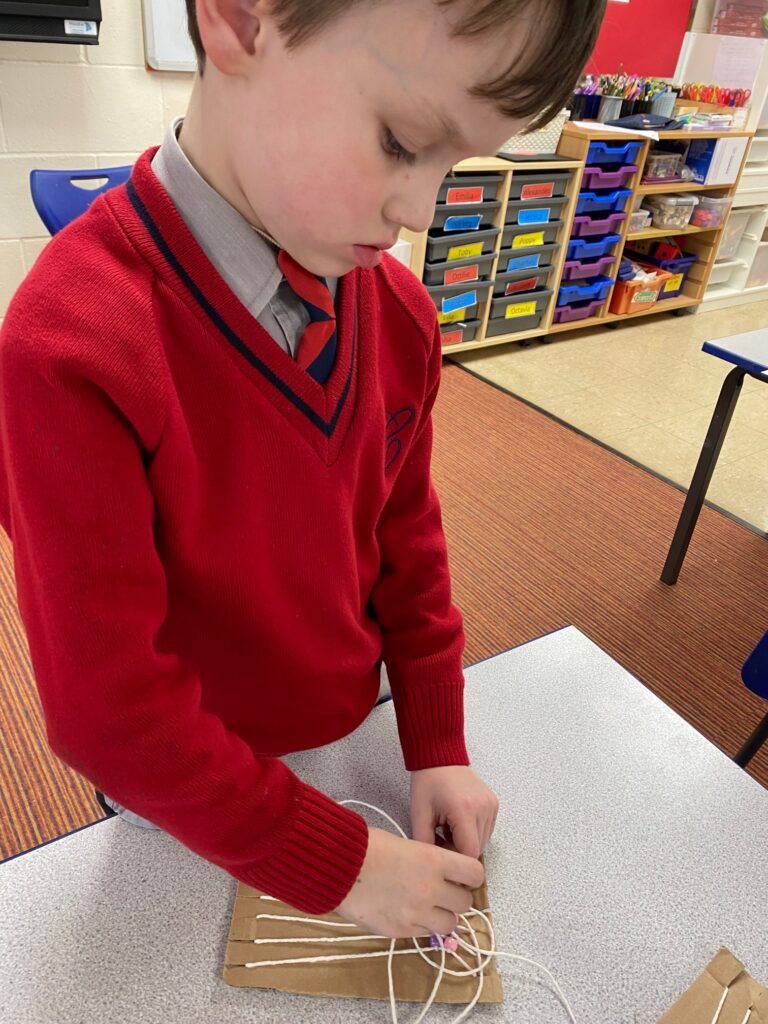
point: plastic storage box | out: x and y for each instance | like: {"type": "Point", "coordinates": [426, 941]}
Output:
{"type": "Point", "coordinates": [632, 296]}
{"type": "Point", "coordinates": [464, 218]}
{"type": "Point", "coordinates": [639, 220]}
{"type": "Point", "coordinates": [601, 177]}
{"type": "Point", "coordinates": [525, 211]}
{"type": "Point", "coordinates": [610, 153]}
{"type": "Point", "coordinates": [476, 268]}
{"type": "Point", "coordinates": [455, 303]}
{"type": "Point", "coordinates": [661, 166]}
{"type": "Point", "coordinates": [733, 232]}
{"type": "Point", "coordinates": [587, 226]}
{"type": "Point", "coordinates": [599, 202]}
{"type": "Point", "coordinates": [527, 259]}
{"type": "Point", "coordinates": [539, 186]}
{"type": "Point", "coordinates": [677, 270]}
{"type": "Point", "coordinates": [527, 236]}
{"type": "Point", "coordinates": [442, 247]}
{"type": "Point", "coordinates": [671, 212]}
{"type": "Point", "coordinates": [578, 270]}
{"type": "Point", "coordinates": [583, 249]}
{"type": "Point", "coordinates": [458, 190]}
{"type": "Point", "coordinates": [455, 334]}
{"type": "Point", "coordinates": [580, 311]}
{"type": "Point", "coordinates": [520, 281]}
{"type": "Point", "coordinates": [758, 274]}
{"type": "Point", "coordinates": [712, 211]}
{"type": "Point", "coordinates": [516, 313]}
{"type": "Point", "coordinates": [591, 290]}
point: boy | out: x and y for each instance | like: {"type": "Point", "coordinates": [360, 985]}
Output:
{"type": "Point", "coordinates": [216, 435]}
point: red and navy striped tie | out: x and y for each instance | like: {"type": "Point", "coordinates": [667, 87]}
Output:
{"type": "Point", "coordinates": [316, 351]}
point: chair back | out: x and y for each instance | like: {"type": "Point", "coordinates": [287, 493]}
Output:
{"type": "Point", "coordinates": [755, 671]}
{"type": "Point", "coordinates": [59, 201]}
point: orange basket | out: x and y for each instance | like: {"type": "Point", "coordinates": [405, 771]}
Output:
{"type": "Point", "coordinates": [631, 296]}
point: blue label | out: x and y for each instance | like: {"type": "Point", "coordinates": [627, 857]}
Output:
{"type": "Point", "coordinates": [524, 263]}
{"type": "Point", "coordinates": [534, 216]}
{"type": "Point", "coordinates": [462, 301]}
{"type": "Point", "coordinates": [463, 223]}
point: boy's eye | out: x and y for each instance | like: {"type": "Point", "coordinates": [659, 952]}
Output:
{"type": "Point", "coordinates": [394, 149]}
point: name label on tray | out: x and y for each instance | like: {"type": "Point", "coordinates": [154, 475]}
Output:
{"type": "Point", "coordinates": [462, 252]}
{"type": "Point", "coordinates": [526, 241]}
{"type": "Point", "coordinates": [674, 283]}
{"type": "Point", "coordinates": [524, 262]}
{"type": "Point", "coordinates": [543, 191]}
{"type": "Point", "coordinates": [465, 223]}
{"type": "Point", "coordinates": [463, 301]}
{"type": "Point", "coordinates": [464, 195]}
{"type": "Point", "coordinates": [453, 337]}
{"type": "Point", "coordinates": [539, 216]}
{"type": "Point", "coordinates": [450, 318]}
{"type": "Point", "coordinates": [521, 286]}
{"type": "Point", "coordinates": [520, 309]}
{"type": "Point", "coordinates": [462, 274]}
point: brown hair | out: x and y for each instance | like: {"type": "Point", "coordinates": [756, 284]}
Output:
{"type": "Point", "coordinates": [536, 86]}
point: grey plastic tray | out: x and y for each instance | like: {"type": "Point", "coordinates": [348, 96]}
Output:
{"type": "Point", "coordinates": [519, 210]}
{"type": "Point", "coordinates": [530, 279]}
{"type": "Point", "coordinates": [536, 186]}
{"type": "Point", "coordinates": [499, 325]}
{"type": "Point", "coordinates": [528, 259]}
{"type": "Point", "coordinates": [469, 184]}
{"type": "Point", "coordinates": [481, 213]}
{"type": "Point", "coordinates": [540, 297]}
{"type": "Point", "coordinates": [434, 273]}
{"type": "Point", "coordinates": [543, 233]}
{"type": "Point", "coordinates": [467, 328]}
{"type": "Point", "coordinates": [439, 244]}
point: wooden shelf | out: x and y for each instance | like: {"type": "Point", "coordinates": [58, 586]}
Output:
{"type": "Point", "coordinates": [501, 339]}
{"type": "Point", "coordinates": [592, 321]}
{"type": "Point", "coordinates": [683, 186]}
{"type": "Point", "coordinates": [669, 232]}
{"type": "Point", "coordinates": [659, 307]}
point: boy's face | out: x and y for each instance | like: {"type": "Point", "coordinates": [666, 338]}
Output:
{"type": "Point", "coordinates": [314, 135]}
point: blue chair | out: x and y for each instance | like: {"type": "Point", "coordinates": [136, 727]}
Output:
{"type": "Point", "coordinates": [59, 201]}
{"type": "Point", "coordinates": [749, 353]}
{"type": "Point", "coordinates": [755, 677]}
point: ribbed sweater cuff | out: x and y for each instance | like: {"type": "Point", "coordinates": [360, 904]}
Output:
{"type": "Point", "coordinates": [430, 721]}
{"type": "Point", "coordinates": [320, 858]}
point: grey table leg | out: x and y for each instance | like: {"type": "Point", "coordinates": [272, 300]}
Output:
{"type": "Point", "coordinates": [753, 744]}
{"type": "Point", "coordinates": [705, 467]}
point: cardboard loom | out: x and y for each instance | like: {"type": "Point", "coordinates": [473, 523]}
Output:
{"type": "Point", "coordinates": [698, 1005]}
{"type": "Point", "coordinates": [351, 979]}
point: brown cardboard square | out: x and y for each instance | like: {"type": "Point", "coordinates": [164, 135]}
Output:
{"type": "Point", "coordinates": [699, 1003]}
{"type": "Point", "coordinates": [352, 979]}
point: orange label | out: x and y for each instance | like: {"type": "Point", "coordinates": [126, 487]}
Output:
{"type": "Point", "coordinates": [453, 337]}
{"type": "Point", "coordinates": [521, 286]}
{"type": "Point", "coordinates": [456, 196]}
{"type": "Point", "coordinates": [544, 191]}
{"type": "Point", "coordinates": [462, 274]}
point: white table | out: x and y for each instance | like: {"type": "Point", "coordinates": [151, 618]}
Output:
{"type": "Point", "coordinates": [627, 851]}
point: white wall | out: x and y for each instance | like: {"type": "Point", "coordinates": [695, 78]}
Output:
{"type": "Point", "coordinates": [67, 106]}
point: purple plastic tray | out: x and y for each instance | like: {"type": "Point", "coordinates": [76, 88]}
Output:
{"type": "Point", "coordinates": [577, 270]}
{"type": "Point", "coordinates": [567, 314]}
{"type": "Point", "coordinates": [601, 177]}
{"type": "Point", "coordinates": [585, 226]}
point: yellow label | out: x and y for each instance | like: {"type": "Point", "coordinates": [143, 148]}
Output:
{"type": "Point", "coordinates": [451, 318]}
{"type": "Point", "coordinates": [463, 252]}
{"type": "Point", "coordinates": [524, 241]}
{"type": "Point", "coordinates": [674, 283]}
{"type": "Point", "coordinates": [520, 309]}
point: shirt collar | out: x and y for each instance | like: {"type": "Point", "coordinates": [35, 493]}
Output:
{"type": "Point", "coordinates": [246, 261]}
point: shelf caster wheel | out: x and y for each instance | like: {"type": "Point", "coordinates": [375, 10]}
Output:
{"type": "Point", "coordinates": [612, 327]}
{"type": "Point", "coordinates": [679, 312]}
{"type": "Point", "coordinates": [525, 343]}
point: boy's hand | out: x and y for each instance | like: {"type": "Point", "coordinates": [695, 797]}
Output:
{"type": "Point", "coordinates": [407, 888]}
{"type": "Point", "coordinates": [454, 797]}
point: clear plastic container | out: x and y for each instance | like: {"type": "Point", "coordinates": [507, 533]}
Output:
{"type": "Point", "coordinates": [711, 212]}
{"type": "Point", "coordinates": [662, 165]}
{"type": "Point", "coordinates": [671, 212]}
{"type": "Point", "coordinates": [639, 221]}
{"type": "Point", "coordinates": [733, 232]}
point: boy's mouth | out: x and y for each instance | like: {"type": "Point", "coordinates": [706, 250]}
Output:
{"type": "Point", "coordinates": [370, 255]}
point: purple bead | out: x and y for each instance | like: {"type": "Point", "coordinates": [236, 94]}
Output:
{"type": "Point", "coordinates": [434, 941]}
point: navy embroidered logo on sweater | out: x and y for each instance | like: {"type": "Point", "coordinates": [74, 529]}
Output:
{"type": "Point", "coordinates": [396, 423]}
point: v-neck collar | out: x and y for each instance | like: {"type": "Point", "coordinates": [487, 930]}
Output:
{"type": "Point", "coordinates": [322, 412]}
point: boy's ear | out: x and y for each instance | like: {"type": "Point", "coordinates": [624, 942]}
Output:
{"type": "Point", "coordinates": [229, 30]}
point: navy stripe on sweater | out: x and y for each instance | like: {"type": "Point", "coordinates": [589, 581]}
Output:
{"type": "Point", "coordinates": [326, 427]}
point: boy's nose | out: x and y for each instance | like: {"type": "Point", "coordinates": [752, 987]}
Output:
{"type": "Point", "coordinates": [413, 212]}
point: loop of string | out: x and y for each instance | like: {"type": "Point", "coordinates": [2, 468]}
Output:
{"type": "Point", "coordinates": [466, 940]}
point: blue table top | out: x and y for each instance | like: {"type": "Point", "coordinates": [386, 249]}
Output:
{"type": "Point", "coordinates": [749, 350]}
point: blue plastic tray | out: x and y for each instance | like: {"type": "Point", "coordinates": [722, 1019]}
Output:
{"type": "Point", "coordinates": [595, 202]}
{"type": "Point", "coordinates": [584, 248]}
{"type": "Point", "coordinates": [606, 153]}
{"type": "Point", "coordinates": [594, 290]}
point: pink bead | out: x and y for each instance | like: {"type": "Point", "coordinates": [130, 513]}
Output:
{"type": "Point", "coordinates": [451, 943]}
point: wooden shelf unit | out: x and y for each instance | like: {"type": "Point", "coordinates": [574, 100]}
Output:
{"type": "Point", "coordinates": [574, 145]}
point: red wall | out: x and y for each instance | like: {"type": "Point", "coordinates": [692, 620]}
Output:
{"type": "Point", "coordinates": [643, 35]}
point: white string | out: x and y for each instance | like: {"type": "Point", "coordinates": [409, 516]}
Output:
{"type": "Point", "coordinates": [483, 956]}
{"type": "Point", "coordinates": [747, 1015]}
{"type": "Point", "coordinates": [724, 996]}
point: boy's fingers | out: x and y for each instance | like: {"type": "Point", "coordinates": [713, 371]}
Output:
{"type": "Point", "coordinates": [423, 822]}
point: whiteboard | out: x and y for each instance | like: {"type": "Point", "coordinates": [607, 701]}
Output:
{"type": "Point", "coordinates": [166, 39]}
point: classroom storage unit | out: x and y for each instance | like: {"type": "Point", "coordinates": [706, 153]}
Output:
{"type": "Point", "coordinates": [570, 260]}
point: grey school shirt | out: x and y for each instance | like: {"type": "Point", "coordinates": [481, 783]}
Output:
{"type": "Point", "coordinates": [246, 260]}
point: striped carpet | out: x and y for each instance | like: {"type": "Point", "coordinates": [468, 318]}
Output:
{"type": "Point", "coordinates": [545, 529]}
